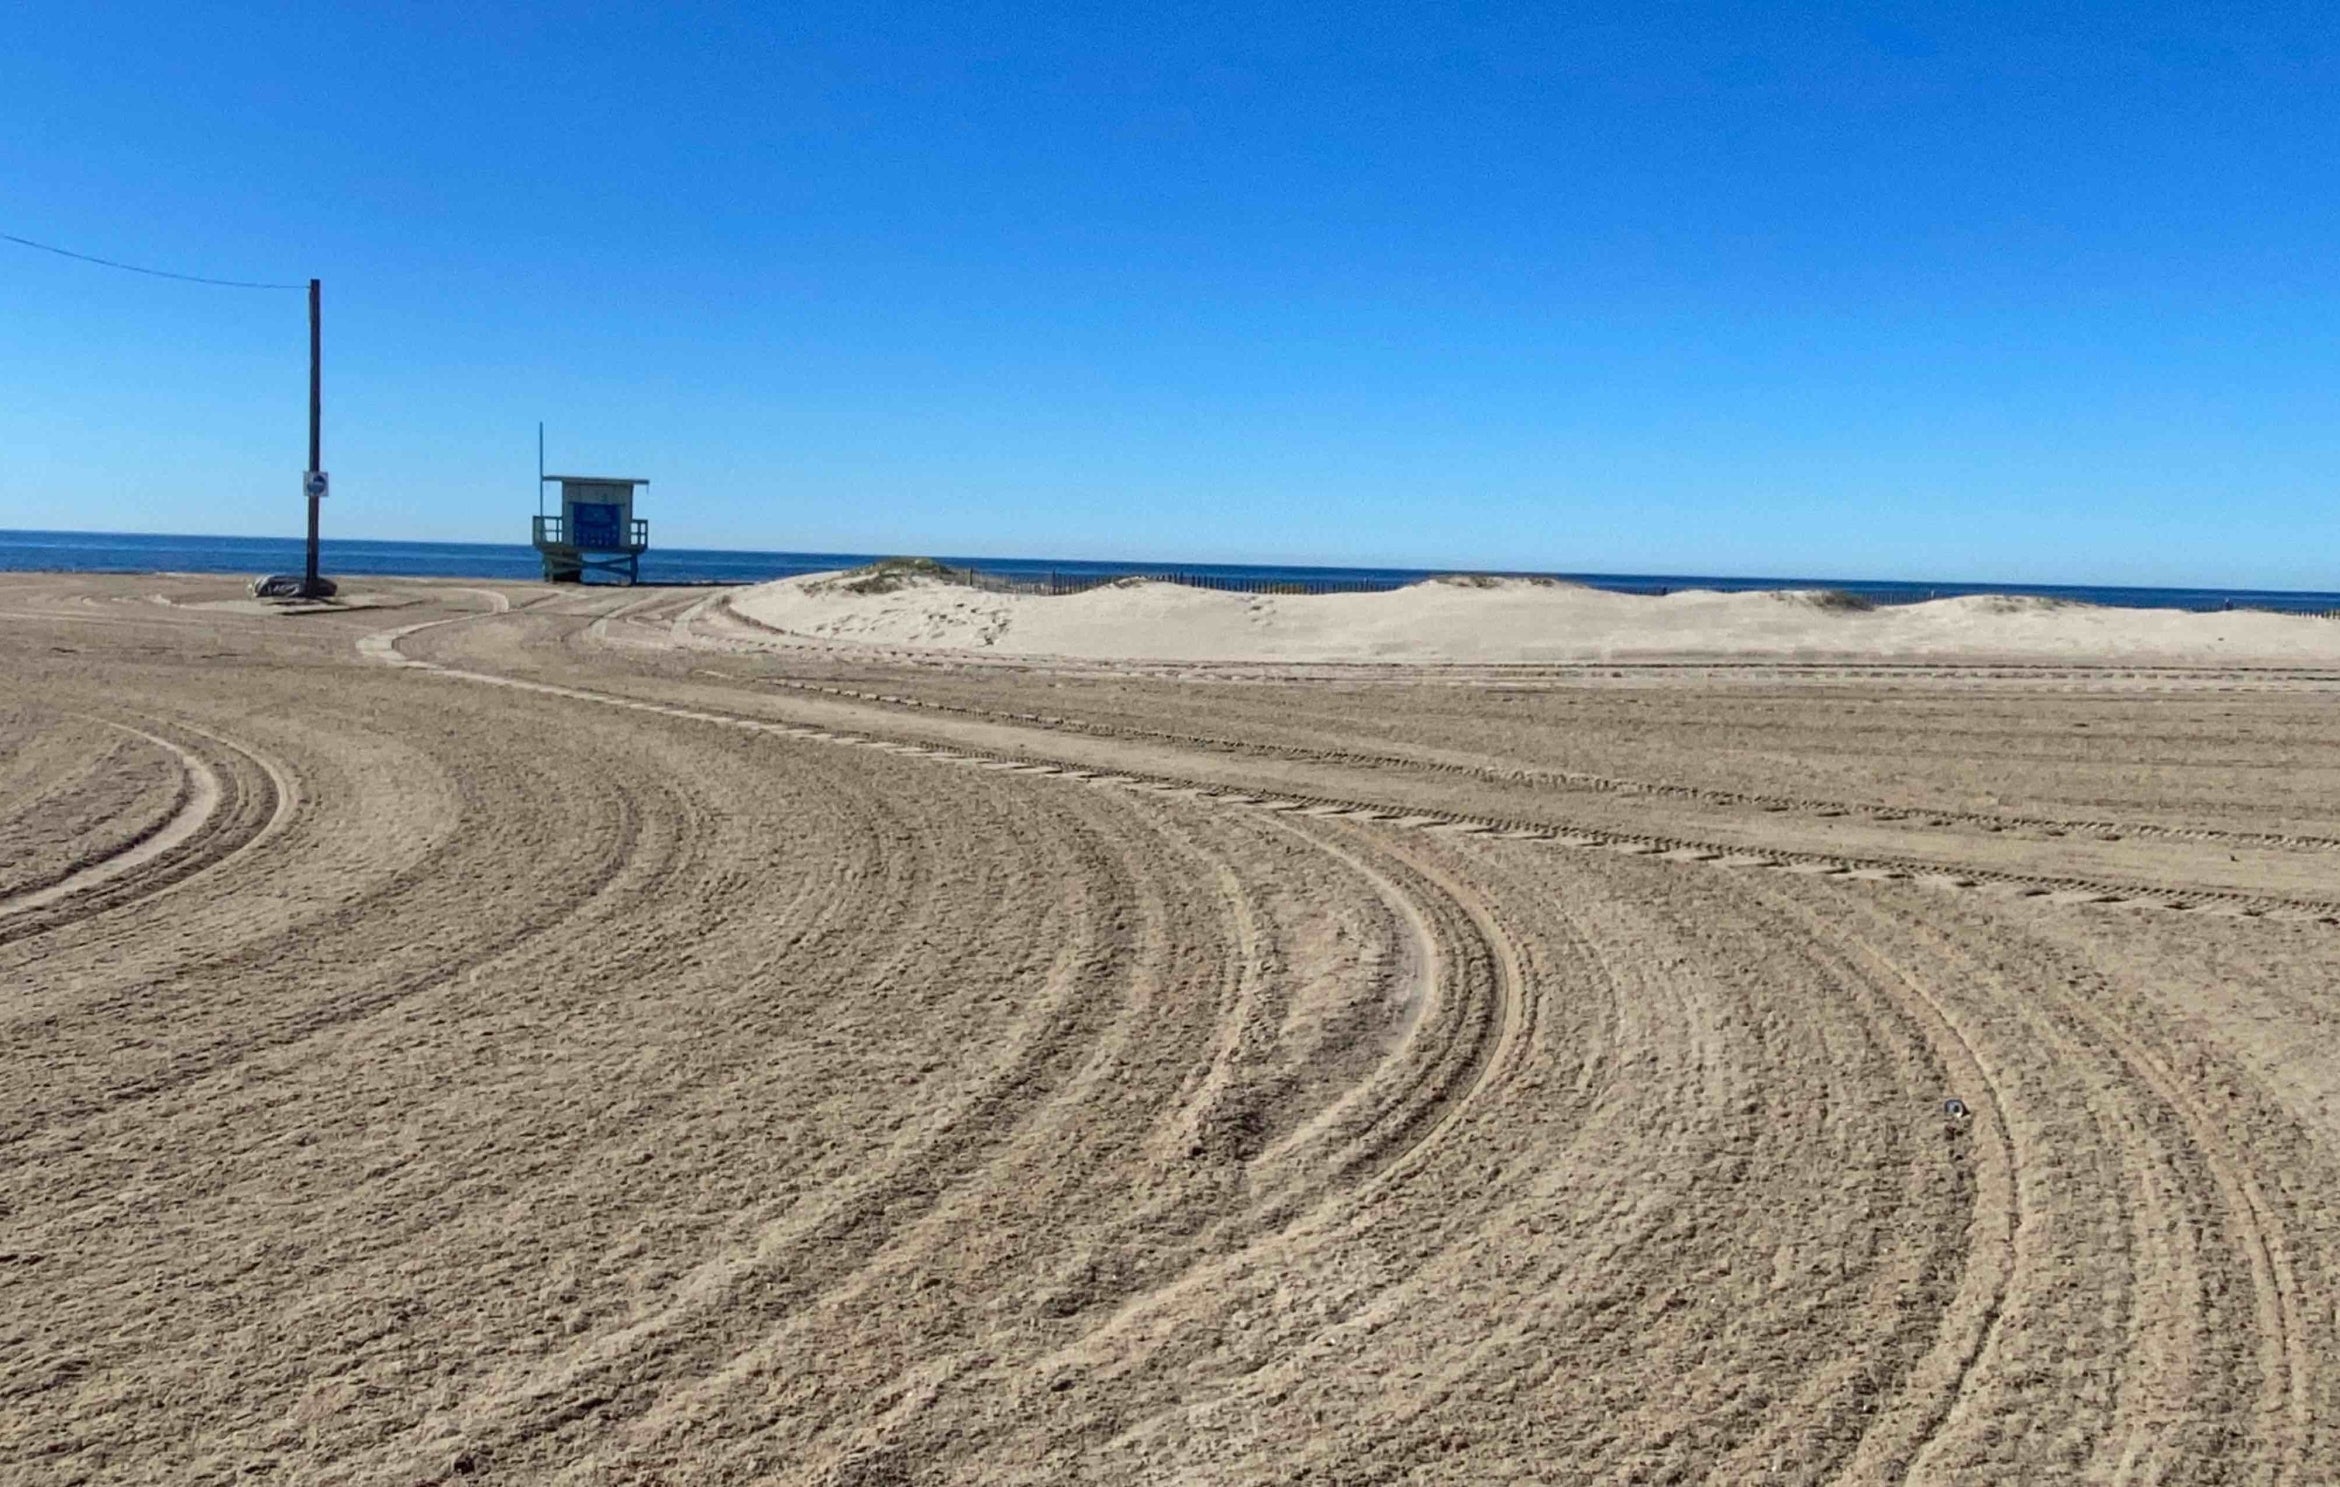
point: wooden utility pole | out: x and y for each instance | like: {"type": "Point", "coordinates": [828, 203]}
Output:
{"type": "Point", "coordinates": [314, 481]}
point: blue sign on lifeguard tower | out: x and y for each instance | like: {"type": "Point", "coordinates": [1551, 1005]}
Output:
{"type": "Point", "coordinates": [596, 529]}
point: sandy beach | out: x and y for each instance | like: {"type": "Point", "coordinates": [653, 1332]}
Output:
{"type": "Point", "coordinates": [522, 1033]}
{"type": "Point", "coordinates": [1510, 621]}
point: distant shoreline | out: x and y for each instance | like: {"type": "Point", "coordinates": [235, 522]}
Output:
{"type": "Point", "coordinates": [136, 552]}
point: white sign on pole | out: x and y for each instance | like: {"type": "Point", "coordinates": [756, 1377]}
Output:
{"type": "Point", "coordinates": [314, 483]}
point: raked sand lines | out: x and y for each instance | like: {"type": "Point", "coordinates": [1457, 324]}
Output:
{"type": "Point", "coordinates": [613, 1071]}
{"type": "Point", "coordinates": [2065, 888]}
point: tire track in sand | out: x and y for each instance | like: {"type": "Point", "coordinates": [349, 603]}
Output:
{"type": "Point", "coordinates": [801, 1253]}
{"type": "Point", "coordinates": [2104, 828]}
{"type": "Point", "coordinates": [2180, 1177]}
{"type": "Point", "coordinates": [197, 796]}
{"type": "Point", "coordinates": [1893, 1448]}
{"type": "Point", "coordinates": [1913, 1444]}
{"type": "Point", "coordinates": [221, 816]}
{"type": "Point", "coordinates": [2281, 1414]}
{"type": "Point", "coordinates": [1469, 1029]}
{"type": "Point", "coordinates": [1476, 1003]}
{"type": "Point", "coordinates": [1473, 1021]}
{"type": "Point", "coordinates": [1736, 854]}
{"type": "Point", "coordinates": [1496, 959]}
{"type": "Point", "coordinates": [1202, 1128]}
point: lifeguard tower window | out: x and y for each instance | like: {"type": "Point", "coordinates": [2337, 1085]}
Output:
{"type": "Point", "coordinates": [598, 524]}
{"type": "Point", "coordinates": [595, 532]}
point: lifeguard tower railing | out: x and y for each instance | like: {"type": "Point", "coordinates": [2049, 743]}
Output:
{"type": "Point", "coordinates": [553, 531]}
{"type": "Point", "coordinates": [572, 549]}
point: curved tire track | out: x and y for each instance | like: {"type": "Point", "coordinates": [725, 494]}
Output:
{"type": "Point", "coordinates": [224, 813]}
{"type": "Point", "coordinates": [2105, 828]}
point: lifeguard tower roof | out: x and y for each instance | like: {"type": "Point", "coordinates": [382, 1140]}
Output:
{"type": "Point", "coordinates": [596, 529]}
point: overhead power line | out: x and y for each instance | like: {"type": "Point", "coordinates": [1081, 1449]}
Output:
{"type": "Point", "coordinates": [151, 272]}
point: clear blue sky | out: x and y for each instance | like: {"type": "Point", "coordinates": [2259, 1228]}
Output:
{"type": "Point", "coordinates": [2022, 292]}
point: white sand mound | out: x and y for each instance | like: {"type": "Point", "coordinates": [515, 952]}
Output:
{"type": "Point", "coordinates": [1508, 620]}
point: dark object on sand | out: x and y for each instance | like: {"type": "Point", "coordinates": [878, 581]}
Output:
{"type": "Point", "coordinates": [291, 586]}
{"type": "Point", "coordinates": [1955, 1109]}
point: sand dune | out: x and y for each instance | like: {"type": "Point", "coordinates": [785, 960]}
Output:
{"type": "Point", "coordinates": [1508, 621]}
{"type": "Point", "coordinates": [549, 1035]}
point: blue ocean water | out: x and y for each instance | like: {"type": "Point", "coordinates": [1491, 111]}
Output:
{"type": "Point", "coordinates": [139, 552]}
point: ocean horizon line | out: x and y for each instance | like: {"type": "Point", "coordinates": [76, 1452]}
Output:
{"type": "Point", "coordinates": [37, 549]}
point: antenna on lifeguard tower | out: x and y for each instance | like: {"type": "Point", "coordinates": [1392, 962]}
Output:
{"type": "Point", "coordinates": [540, 467]}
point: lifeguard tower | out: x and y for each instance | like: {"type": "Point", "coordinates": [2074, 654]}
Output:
{"type": "Point", "coordinates": [596, 530]}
